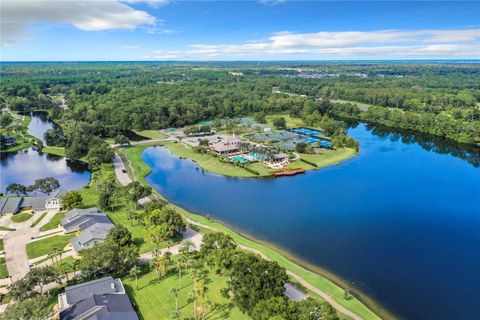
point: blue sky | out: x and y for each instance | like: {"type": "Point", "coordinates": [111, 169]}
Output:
{"type": "Point", "coordinates": [43, 30]}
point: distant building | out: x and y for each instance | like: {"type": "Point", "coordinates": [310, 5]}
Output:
{"type": "Point", "coordinates": [278, 160]}
{"type": "Point", "coordinates": [228, 146]}
{"type": "Point", "coordinates": [8, 142]}
{"type": "Point", "coordinates": [101, 299]}
{"type": "Point", "coordinates": [15, 204]}
{"type": "Point", "coordinates": [93, 225]}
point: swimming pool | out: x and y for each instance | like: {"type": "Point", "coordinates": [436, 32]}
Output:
{"type": "Point", "coordinates": [239, 159]}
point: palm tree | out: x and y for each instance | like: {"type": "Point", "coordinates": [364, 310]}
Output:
{"type": "Point", "coordinates": [187, 246]}
{"type": "Point", "coordinates": [134, 272]}
{"type": "Point", "coordinates": [174, 291]}
{"type": "Point", "coordinates": [194, 296]}
{"type": "Point", "coordinates": [180, 263]}
{"type": "Point", "coordinates": [194, 277]}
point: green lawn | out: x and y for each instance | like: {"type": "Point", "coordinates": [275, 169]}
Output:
{"type": "Point", "coordinates": [54, 222]}
{"type": "Point", "coordinates": [1, 244]}
{"type": "Point", "coordinates": [58, 151]}
{"type": "Point", "coordinates": [21, 217]}
{"type": "Point", "coordinates": [151, 134]}
{"type": "Point", "coordinates": [45, 246]}
{"type": "Point", "coordinates": [3, 269]}
{"type": "Point", "coordinates": [2, 228]}
{"type": "Point", "coordinates": [329, 157]}
{"type": "Point", "coordinates": [154, 300]}
{"type": "Point", "coordinates": [39, 219]}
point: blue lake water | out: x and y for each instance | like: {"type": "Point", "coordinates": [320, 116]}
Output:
{"type": "Point", "coordinates": [39, 125]}
{"type": "Point", "coordinates": [398, 222]}
{"type": "Point", "coordinates": [26, 165]}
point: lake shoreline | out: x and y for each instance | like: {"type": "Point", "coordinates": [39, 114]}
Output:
{"type": "Point", "coordinates": [140, 166]}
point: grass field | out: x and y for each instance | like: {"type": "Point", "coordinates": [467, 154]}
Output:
{"type": "Point", "coordinates": [21, 217]}
{"type": "Point", "coordinates": [3, 269]}
{"type": "Point", "coordinates": [291, 122]}
{"type": "Point", "coordinates": [45, 246]}
{"type": "Point", "coordinates": [54, 222]}
{"type": "Point", "coordinates": [155, 301]}
{"type": "Point", "coordinates": [329, 158]}
{"type": "Point", "coordinates": [1, 244]}
{"type": "Point", "coordinates": [152, 134]}
{"type": "Point", "coordinates": [2, 228]}
{"type": "Point", "coordinates": [58, 151]}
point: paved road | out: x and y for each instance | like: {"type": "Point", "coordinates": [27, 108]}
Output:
{"type": "Point", "coordinates": [119, 166]}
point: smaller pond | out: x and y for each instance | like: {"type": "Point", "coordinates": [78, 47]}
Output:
{"type": "Point", "coordinates": [39, 125]}
{"type": "Point", "coordinates": [26, 165]}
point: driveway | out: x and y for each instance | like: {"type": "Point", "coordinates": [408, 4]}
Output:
{"type": "Point", "coordinates": [15, 244]}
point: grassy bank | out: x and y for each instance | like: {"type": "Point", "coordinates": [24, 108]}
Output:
{"type": "Point", "coordinates": [58, 151]}
{"type": "Point", "coordinates": [313, 275]}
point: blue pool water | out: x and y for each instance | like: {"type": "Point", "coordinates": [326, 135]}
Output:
{"type": "Point", "coordinates": [239, 159]}
{"type": "Point", "coordinates": [400, 221]}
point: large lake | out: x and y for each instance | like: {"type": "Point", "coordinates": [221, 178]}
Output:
{"type": "Point", "coordinates": [398, 222]}
{"type": "Point", "coordinates": [26, 165]}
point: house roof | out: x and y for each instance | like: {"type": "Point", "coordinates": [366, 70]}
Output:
{"type": "Point", "coordinates": [101, 307]}
{"type": "Point", "coordinates": [98, 231]}
{"type": "Point", "coordinates": [280, 156]}
{"type": "Point", "coordinates": [8, 205]}
{"type": "Point", "coordinates": [101, 299]}
{"type": "Point", "coordinates": [84, 290]}
{"type": "Point", "coordinates": [81, 219]}
{"type": "Point", "coordinates": [56, 194]}
{"type": "Point", "coordinates": [36, 203]}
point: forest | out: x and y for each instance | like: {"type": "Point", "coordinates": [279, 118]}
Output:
{"type": "Point", "coordinates": [106, 99]}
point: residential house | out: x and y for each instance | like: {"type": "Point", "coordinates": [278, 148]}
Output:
{"type": "Point", "coordinates": [42, 203]}
{"type": "Point", "coordinates": [101, 299]}
{"type": "Point", "coordinates": [92, 224]}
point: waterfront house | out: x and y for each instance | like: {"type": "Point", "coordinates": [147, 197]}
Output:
{"type": "Point", "coordinates": [42, 203]}
{"type": "Point", "coordinates": [8, 142]}
{"type": "Point", "coordinates": [100, 299]}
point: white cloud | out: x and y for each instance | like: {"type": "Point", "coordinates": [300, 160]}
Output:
{"type": "Point", "coordinates": [271, 2]}
{"type": "Point", "coordinates": [88, 15]}
{"type": "Point", "coordinates": [382, 43]}
{"type": "Point", "coordinates": [151, 3]}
